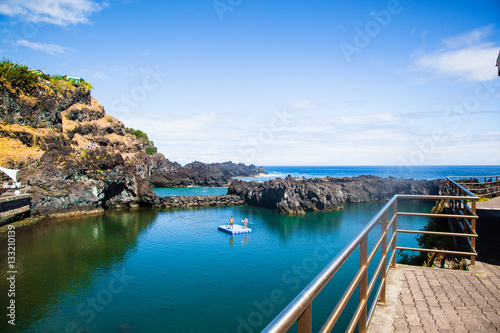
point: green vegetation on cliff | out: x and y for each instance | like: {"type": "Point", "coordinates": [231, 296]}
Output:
{"type": "Point", "coordinates": [17, 75]}
{"type": "Point", "coordinates": [148, 144]}
{"type": "Point", "coordinates": [20, 76]}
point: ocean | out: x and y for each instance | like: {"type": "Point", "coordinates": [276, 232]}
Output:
{"type": "Point", "coordinates": [416, 172]}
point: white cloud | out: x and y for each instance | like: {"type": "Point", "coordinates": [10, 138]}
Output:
{"type": "Point", "coordinates": [126, 70]}
{"type": "Point", "coordinates": [191, 128]}
{"type": "Point", "coordinates": [469, 38]}
{"type": "Point", "coordinates": [303, 105]}
{"type": "Point", "coordinates": [47, 48]}
{"type": "Point", "coordinates": [372, 119]}
{"type": "Point", "coordinates": [465, 56]}
{"type": "Point", "coordinates": [58, 12]}
{"type": "Point", "coordinates": [471, 64]}
{"type": "Point", "coordinates": [99, 75]}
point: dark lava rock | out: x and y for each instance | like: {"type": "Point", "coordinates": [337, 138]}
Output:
{"type": "Point", "coordinates": [202, 174]}
{"type": "Point", "coordinates": [296, 196]}
{"type": "Point", "coordinates": [41, 106]}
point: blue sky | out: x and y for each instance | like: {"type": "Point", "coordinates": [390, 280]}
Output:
{"type": "Point", "coordinates": [280, 82]}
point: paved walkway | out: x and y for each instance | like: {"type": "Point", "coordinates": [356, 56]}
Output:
{"type": "Point", "coordinates": [424, 299]}
{"type": "Point", "coordinates": [490, 204]}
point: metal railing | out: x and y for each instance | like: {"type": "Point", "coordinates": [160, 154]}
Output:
{"type": "Point", "coordinates": [484, 186]}
{"type": "Point", "coordinates": [300, 308]}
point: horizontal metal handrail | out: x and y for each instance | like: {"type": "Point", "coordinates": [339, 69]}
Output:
{"type": "Point", "coordinates": [469, 177]}
{"type": "Point", "coordinates": [302, 303]}
{"type": "Point", "coordinates": [438, 215]}
{"type": "Point", "coordinates": [485, 188]}
{"type": "Point", "coordinates": [437, 233]}
{"type": "Point", "coordinates": [461, 253]}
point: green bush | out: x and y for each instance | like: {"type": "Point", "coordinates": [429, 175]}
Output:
{"type": "Point", "coordinates": [85, 85]}
{"type": "Point", "coordinates": [60, 83]}
{"type": "Point", "coordinates": [137, 133]}
{"type": "Point", "coordinates": [22, 77]}
{"type": "Point", "coordinates": [148, 144]}
{"type": "Point", "coordinates": [18, 75]}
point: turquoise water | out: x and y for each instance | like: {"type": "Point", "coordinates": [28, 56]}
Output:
{"type": "Point", "coordinates": [173, 271]}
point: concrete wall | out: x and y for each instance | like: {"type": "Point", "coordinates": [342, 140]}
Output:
{"type": "Point", "coordinates": [14, 208]}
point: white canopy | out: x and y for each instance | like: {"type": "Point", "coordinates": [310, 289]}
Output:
{"type": "Point", "coordinates": [11, 173]}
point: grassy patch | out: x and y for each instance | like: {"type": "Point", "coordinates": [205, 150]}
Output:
{"type": "Point", "coordinates": [13, 151]}
{"type": "Point", "coordinates": [148, 144]}
{"type": "Point", "coordinates": [22, 77]}
{"type": "Point", "coordinates": [18, 75]}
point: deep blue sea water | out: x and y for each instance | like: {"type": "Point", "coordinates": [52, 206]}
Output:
{"type": "Point", "coordinates": [416, 172]}
{"type": "Point", "coordinates": [152, 270]}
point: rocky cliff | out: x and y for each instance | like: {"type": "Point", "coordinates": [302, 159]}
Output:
{"type": "Point", "coordinates": [201, 174]}
{"type": "Point", "coordinates": [74, 156]}
{"type": "Point", "coordinates": [297, 196]}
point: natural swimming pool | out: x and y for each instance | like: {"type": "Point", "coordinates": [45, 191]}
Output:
{"type": "Point", "coordinates": [173, 271]}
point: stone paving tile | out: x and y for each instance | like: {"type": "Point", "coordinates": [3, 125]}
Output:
{"type": "Point", "coordinates": [417, 329]}
{"type": "Point", "coordinates": [459, 328]}
{"type": "Point", "coordinates": [447, 301]}
{"type": "Point", "coordinates": [446, 330]}
{"type": "Point", "coordinates": [421, 306]}
{"type": "Point", "coordinates": [493, 317]}
{"type": "Point", "coordinates": [432, 301]}
{"type": "Point", "coordinates": [413, 319]}
{"type": "Point", "coordinates": [475, 310]}
{"type": "Point", "coordinates": [486, 326]}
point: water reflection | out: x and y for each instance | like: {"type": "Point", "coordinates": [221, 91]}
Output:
{"type": "Point", "coordinates": [56, 257]}
{"type": "Point", "coordinates": [180, 264]}
{"type": "Point", "coordinates": [285, 226]}
{"type": "Point", "coordinates": [240, 240]}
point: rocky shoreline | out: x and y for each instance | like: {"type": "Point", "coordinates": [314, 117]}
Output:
{"type": "Point", "coordinates": [200, 201]}
{"type": "Point", "coordinates": [75, 158]}
{"type": "Point", "coordinates": [298, 196]}
{"type": "Point", "coordinates": [202, 174]}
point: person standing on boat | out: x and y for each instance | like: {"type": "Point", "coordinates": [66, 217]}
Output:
{"type": "Point", "coordinates": [246, 222]}
{"type": "Point", "coordinates": [231, 220]}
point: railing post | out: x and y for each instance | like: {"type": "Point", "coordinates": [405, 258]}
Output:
{"type": "Point", "coordinates": [394, 232]}
{"type": "Point", "coordinates": [383, 254]}
{"type": "Point", "coordinates": [473, 226]}
{"type": "Point", "coordinates": [363, 284]}
{"type": "Point", "coordinates": [304, 322]}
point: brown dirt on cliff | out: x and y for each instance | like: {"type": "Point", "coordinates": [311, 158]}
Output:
{"type": "Point", "coordinates": [13, 151]}
{"type": "Point", "coordinates": [90, 127]}
{"type": "Point", "coordinates": [19, 144]}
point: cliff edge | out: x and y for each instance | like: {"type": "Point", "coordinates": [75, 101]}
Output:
{"type": "Point", "coordinates": [75, 157]}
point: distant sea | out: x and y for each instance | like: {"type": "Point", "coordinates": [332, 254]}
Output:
{"type": "Point", "coordinates": [416, 172]}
